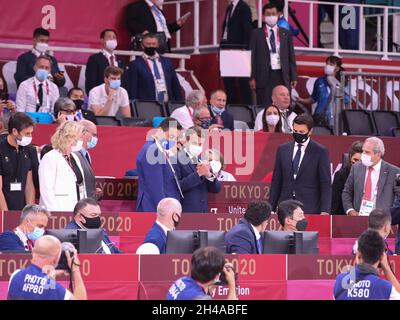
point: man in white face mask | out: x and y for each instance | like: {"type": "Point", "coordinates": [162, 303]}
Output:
{"type": "Point", "coordinates": [98, 62]}
{"type": "Point", "coordinates": [16, 164]}
{"type": "Point", "coordinates": [371, 183]}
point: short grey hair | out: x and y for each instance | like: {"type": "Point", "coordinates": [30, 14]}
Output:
{"type": "Point", "coordinates": [196, 112]}
{"type": "Point", "coordinates": [167, 206]}
{"type": "Point", "coordinates": [62, 102]}
{"type": "Point", "coordinates": [379, 146]}
{"type": "Point", "coordinates": [195, 98]}
{"type": "Point", "coordinates": [33, 209]}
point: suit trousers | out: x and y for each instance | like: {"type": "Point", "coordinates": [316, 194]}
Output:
{"type": "Point", "coordinates": [233, 97]}
{"type": "Point", "coordinates": [264, 95]}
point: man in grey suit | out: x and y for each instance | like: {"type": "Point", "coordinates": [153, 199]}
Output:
{"type": "Point", "coordinates": [273, 60]}
{"type": "Point", "coordinates": [372, 181]}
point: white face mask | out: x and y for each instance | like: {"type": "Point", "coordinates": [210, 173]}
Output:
{"type": "Point", "coordinates": [329, 70]}
{"type": "Point", "coordinates": [77, 147]}
{"type": "Point", "coordinates": [216, 166]}
{"type": "Point", "coordinates": [195, 150]}
{"type": "Point", "coordinates": [25, 141]}
{"type": "Point", "coordinates": [271, 20]}
{"type": "Point", "coordinates": [111, 44]}
{"type": "Point", "coordinates": [272, 119]}
{"type": "Point", "coordinates": [42, 47]}
{"type": "Point", "coordinates": [366, 160]}
{"type": "Point", "coordinates": [70, 117]}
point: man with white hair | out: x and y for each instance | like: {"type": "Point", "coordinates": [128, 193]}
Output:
{"type": "Point", "coordinates": [33, 221]}
{"type": "Point", "coordinates": [37, 281]}
{"type": "Point", "coordinates": [372, 181]}
{"type": "Point", "coordinates": [184, 115]}
{"type": "Point", "coordinates": [169, 212]}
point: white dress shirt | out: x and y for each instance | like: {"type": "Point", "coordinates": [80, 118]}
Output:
{"type": "Point", "coordinates": [98, 96]}
{"type": "Point", "coordinates": [161, 25]}
{"type": "Point", "coordinates": [184, 115]}
{"type": "Point", "coordinates": [22, 236]}
{"type": "Point", "coordinates": [234, 3]}
{"type": "Point", "coordinates": [274, 57]}
{"type": "Point", "coordinates": [27, 98]}
{"type": "Point", "coordinates": [258, 125]}
{"type": "Point", "coordinates": [303, 151]}
{"type": "Point", "coordinates": [150, 63]}
{"type": "Point", "coordinates": [256, 232]}
{"type": "Point", "coordinates": [163, 227]}
{"type": "Point", "coordinates": [108, 56]}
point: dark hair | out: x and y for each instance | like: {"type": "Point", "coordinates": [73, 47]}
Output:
{"type": "Point", "coordinates": [84, 203]}
{"type": "Point", "coordinates": [44, 57]}
{"type": "Point", "coordinates": [305, 119]}
{"type": "Point", "coordinates": [20, 121]}
{"type": "Point", "coordinates": [167, 123]}
{"type": "Point", "coordinates": [207, 263]}
{"type": "Point", "coordinates": [112, 70]}
{"type": "Point", "coordinates": [378, 218]}
{"type": "Point", "coordinates": [338, 62]}
{"type": "Point", "coordinates": [40, 32]}
{"type": "Point", "coordinates": [356, 147]}
{"type": "Point", "coordinates": [278, 127]}
{"type": "Point", "coordinates": [257, 212]}
{"type": "Point", "coordinates": [69, 94]}
{"type": "Point", "coordinates": [371, 246]}
{"type": "Point", "coordinates": [270, 5]}
{"type": "Point", "coordinates": [280, 4]}
{"type": "Point", "coordinates": [286, 209]}
{"type": "Point", "coordinates": [103, 33]}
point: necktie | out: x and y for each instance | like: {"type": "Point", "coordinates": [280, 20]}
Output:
{"type": "Point", "coordinates": [227, 18]}
{"type": "Point", "coordinates": [30, 244]}
{"type": "Point", "coordinates": [87, 158]}
{"type": "Point", "coordinates": [272, 41]}
{"type": "Point", "coordinates": [286, 126]}
{"type": "Point", "coordinates": [259, 246]}
{"type": "Point", "coordinates": [296, 160]}
{"type": "Point", "coordinates": [40, 96]}
{"type": "Point", "coordinates": [157, 75]}
{"type": "Point", "coordinates": [112, 61]}
{"type": "Point", "coordinates": [368, 185]}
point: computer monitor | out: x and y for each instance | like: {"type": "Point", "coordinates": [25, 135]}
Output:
{"type": "Point", "coordinates": [85, 241]}
{"type": "Point", "coordinates": [287, 242]}
{"type": "Point", "coordinates": [215, 239]}
{"type": "Point", "coordinates": [182, 241]}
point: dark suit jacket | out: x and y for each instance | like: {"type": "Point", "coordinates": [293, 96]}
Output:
{"type": "Point", "coordinates": [227, 119]}
{"type": "Point", "coordinates": [337, 188]}
{"type": "Point", "coordinates": [156, 181]}
{"type": "Point", "coordinates": [313, 182]}
{"type": "Point", "coordinates": [395, 212]}
{"type": "Point", "coordinates": [89, 115]}
{"type": "Point", "coordinates": [195, 189]}
{"type": "Point", "coordinates": [241, 239]}
{"type": "Point", "coordinates": [260, 57]}
{"type": "Point", "coordinates": [156, 236]}
{"type": "Point", "coordinates": [90, 179]}
{"type": "Point", "coordinates": [25, 64]}
{"type": "Point", "coordinates": [239, 26]}
{"type": "Point", "coordinates": [142, 84]}
{"type": "Point", "coordinates": [94, 74]}
{"type": "Point", "coordinates": [9, 241]}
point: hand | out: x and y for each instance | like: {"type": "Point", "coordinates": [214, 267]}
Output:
{"type": "Point", "coordinates": [324, 214]}
{"type": "Point", "coordinates": [111, 93]}
{"type": "Point", "coordinates": [72, 258]}
{"type": "Point", "coordinates": [229, 273]}
{"type": "Point", "coordinates": [203, 169]}
{"type": "Point", "coordinates": [61, 118]}
{"type": "Point", "coordinates": [294, 83]}
{"type": "Point", "coordinates": [252, 84]}
{"type": "Point", "coordinates": [216, 126]}
{"type": "Point", "coordinates": [181, 21]}
{"type": "Point", "coordinates": [353, 213]}
{"type": "Point", "coordinates": [99, 193]}
{"type": "Point", "coordinates": [11, 106]}
{"type": "Point", "coordinates": [59, 75]}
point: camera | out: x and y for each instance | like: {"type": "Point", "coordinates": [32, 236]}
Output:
{"type": "Point", "coordinates": [63, 262]}
{"type": "Point", "coordinates": [222, 278]}
{"type": "Point", "coordinates": [4, 96]}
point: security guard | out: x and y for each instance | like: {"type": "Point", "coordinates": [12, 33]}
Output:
{"type": "Point", "coordinates": [17, 188]}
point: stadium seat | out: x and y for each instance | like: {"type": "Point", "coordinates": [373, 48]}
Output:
{"type": "Point", "coordinates": [240, 125]}
{"type": "Point", "coordinates": [149, 109]}
{"type": "Point", "coordinates": [396, 132]}
{"type": "Point", "coordinates": [133, 122]}
{"type": "Point", "coordinates": [171, 106]}
{"type": "Point", "coordinates": [322, 130]}
{"type": "Point", "coordinates": [385, 121]}
{"type": "Point", "coordinates": [107, 121]}
{"type": "Point", "coordinates": [358, 122]}
{"type": "Point", "coordinates": [243, 113]}
{"type": "Point", "coordinates": [257, 109]}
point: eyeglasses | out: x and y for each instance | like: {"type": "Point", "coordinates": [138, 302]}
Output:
{"type": "Point", "coordinates": [68, 111]}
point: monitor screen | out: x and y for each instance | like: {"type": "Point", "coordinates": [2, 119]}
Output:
{"type": "Point", "coordinates": [86, 241]}
{"type": "Point", "coordinates": [182, 241]}
{"type": "Point", "coordinates": [283, 242]}
{"type": "Point", "coordinates": [216, 239]}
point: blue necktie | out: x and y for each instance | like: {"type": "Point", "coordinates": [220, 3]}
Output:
{"type": "Point", "coordinates": [157, 75]}
{"type": "Point", "coordinates": [272, 41]}
{"type": "Point", "coordinates": [296, 160]}
{"type": "Point", "coordinates": [259, 246]}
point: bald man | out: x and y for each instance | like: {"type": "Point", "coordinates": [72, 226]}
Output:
{"type": "Point", "coordinates": [169, 211]}
{"type": "Point", "coordinates": [37, 280]}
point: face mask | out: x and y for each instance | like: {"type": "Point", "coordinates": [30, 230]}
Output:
{"type": "Point", "coordinates": [111, 44]}
{"type": "Point", "coordinates": [41, 74]}
{"type": "Point", "coordinates": [77, 147]}
{"type": "Point", "coordinates": [167, 144]}
{"type": "Point", "coordinates": [329, 70]}
{"type": "Point", "coordinates": [42, 47]}
{"type": "Point", "coordinates": [194, 150]}
{"type": "Point", "coordinates": [366, 160]}
{"type": "Point", "coordinates": [205, 124]}
{"type": "Point", "coordinates": [92, 143]}
{"type": "Point", "coordinates": [302, 225]}
{"type": "Point", "coordinates": [78, 103]}
{"type": "Point", "coordinates": [273, 119]}
{"type": "Point", "coordinates": [176, 222]}
{"type": "Point", "coordinates": [217, 110]}
{"type": "Point", "coordinates": [25, 141]}
{"type": "Point", "coordinates": [271, 20]}
{"type": "Point", "coordinates": [300, 137]}
{"type": "Point", "coordinates": [70, 117]}
{"type": "Point", "coordinates": [92, 223]}
{"type": "Point", "coordinates": [35, 234]}
{"type": "Point", "coordinates": [216, 166]}
{"type": "Point", "coordinates": [115, 84]}
{"type": "Point", "coordinates": [150, 51]}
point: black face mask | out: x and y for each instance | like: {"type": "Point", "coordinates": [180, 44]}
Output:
{"type": "Point", "coordinates": [176, 223]}
{"type": "Point", "coordinates": [78, 103]}
{"type": "Point", "coordinates": [301, 225]}
{"type": "Point", "coordinates": [150, 51]}
{"type": "Point", "coordinates": [300, 137]}
{"type": "Point", "coordinates": [92, 223]}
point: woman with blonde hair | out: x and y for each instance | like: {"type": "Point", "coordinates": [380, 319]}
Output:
{"type": "Point", "coordinates": [61, 178]}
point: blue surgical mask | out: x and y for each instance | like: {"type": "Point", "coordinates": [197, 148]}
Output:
{"type": "Point", "coordinates": [167, 144]}
{"type": "Point", "coordinates": [205, 124]}
{"type": "Point", "coordinates": [41, 74]}
{"type": "Point", "coordinates": [35, 234]}
{"type": "Point", "coordinates": [115, 84]}
{"type": "Point", "coordinates": [92, 143]}
{"type": "Point", "coordinates": [217, 110]}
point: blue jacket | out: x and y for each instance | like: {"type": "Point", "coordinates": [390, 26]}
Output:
{"type": "Point", "coordinates": [195, 189]}
{"type": "Point", "coordinates": [283, 23]}
{"type": "Point", "coordinates": [156, 181]}
{"type": "Point", "coordinates": [156, 236]}
{"type": "Point", "coordinates": [9, 241]}
{"type": "Point", "coordinates": [186, 288]}
{"type": "Point", "coordinates": [241, 239]}
{"type": "Point", "coordinates": [106, 239]}
{"type": "Point", "coordinates": [141, 80]}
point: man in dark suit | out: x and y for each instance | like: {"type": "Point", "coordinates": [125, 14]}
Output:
{"type": "Point", "coordinates": [86, 215]}
{"type": "Point", "coordinates": [146, 16]}
{"type": "Point", "coordinates": [97, 63]}
{"type": "Point", "coordinates": [218, 110]}
{"type": "Point", "coordinates": [27, 60]}
{"type": "Point", "coordinates": [302, 170]}
{"type": "Point", "coordinates": [236, 31]}
{"type": "Point", "coordinates": [153, 77]}
{"type": "Point", "coordinates": [157, 177]}
{"type": "Point", "coordinates": [78, 97]}
{"type": "Point", "coordinates": [195, 176]}
{"type": "Point", "coordinates": [273, 60]}
{"type": "Point", "coordinates": [246, 236]}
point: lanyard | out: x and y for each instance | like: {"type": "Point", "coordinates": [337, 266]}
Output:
{"type": "Point", "coordinates": [35, 89]}
{"type": "Point", "coordinates": [190, 112]}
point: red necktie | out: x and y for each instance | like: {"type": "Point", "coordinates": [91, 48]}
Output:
{"type": "Point", "coordinates": [30, 245]}
{"type": "Point", "coordinates": [368, 185]}
{"type": "Point", "coordinates": [112, 61]}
